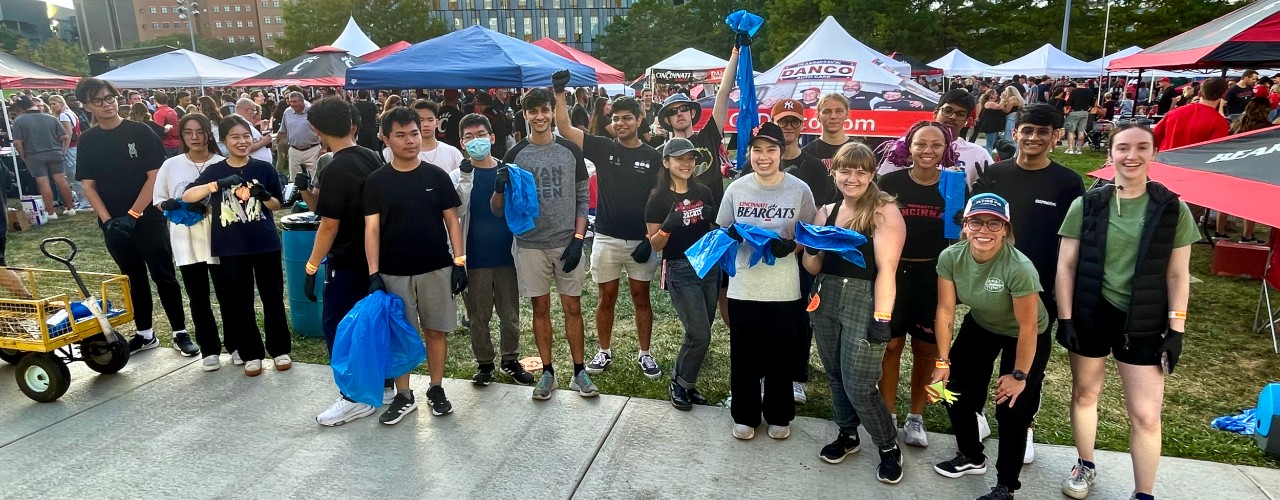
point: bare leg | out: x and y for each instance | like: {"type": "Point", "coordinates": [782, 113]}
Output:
{"type": "Point", "coordinates": [46, 193]}
{"type": "Point", "coordinates": [922, 356]}
{"type": "Point", "coordinates": [402, 382]}
{"type": "Point", "coordinates": [1221, 223]}
{"type": "Point", "coordinates": [604, 311]}
{"type": "Point", "coordinates": [644, 311]}
{"type": "Point", "coordinates": [723, 303]}
{"type": "Point", "coordinates": [1248, 229]}
{"type": "Point", "coordinates": [542, 326]}
{"type": "Point", "coordinates": [889, 373]}
{"type": "Point", "coordinates": [13, 283]}
{"type": "Point", "coordinates": [573, 327]}
{"type": "Point", "coordinates": [67, 200]}
{"type": "Point", "coordinates": [1087, 377]}
{"type": "Point", "coordinates": [437, 353]}
{"type": "Point", "coordinates": [1144, 398]}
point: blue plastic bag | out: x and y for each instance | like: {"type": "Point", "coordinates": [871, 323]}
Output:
{"type": "Point", "coordinates": [841, 241]}
{"type": "Point", "coordinates": [713, 249]}
{"type": "Point", "coordinates": [374, 342]}
{"type": "Point", "coordinates": [1245, 422]}
{"type": "Point", "coordinates": [183, 216]}
{"type": "Point", "coordinates": [521, 205]}
{"type": "Point", "coordinates": [758, 240]}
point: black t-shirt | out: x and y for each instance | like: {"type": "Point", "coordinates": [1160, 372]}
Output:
{"type": "Point", "coordinates": [922, 209]}
{"type": "Point", "coordinates": [898, 105]}
{"type": "Point", "coordinates": [578, 116]}
{"type": "Point", "coordinates": [342, 198]}
{"type": "Point", "coordinates": [497, 116]}
{"type": "Point", "coordinates": [811, 170]}
{"type": "Point", "coordinates": [447, 131]}
{"type": "Point", "coordinates": [411, 205]}
{"type": "Point", "coordinates": [697, 209]}
{"type": "Point", "coordinates": [1059, 104]}
{"type": "Point", "coordinates": [118, 161]}
{"type": "Point", "coordinates": [624, 178]}
{"type": "Point", "coordinates": [247, 227]}
{"type": "Point", "coordinates": [1237, 99]}
{"type": "Point", "coordinates": [1164, 103]}
{"type": "Point", "coordinates": [368, 115]}
{"type": "Point", "coordinates": [709, 139]}
{"type": "Point", "coordinates": [1081, 99]}
{"type": "Point", "coordinates": [823, 151]}
{"type": "Point", "coordinates": [156, 128]}
{"type": "Point", "coordinates": [1038, 202]}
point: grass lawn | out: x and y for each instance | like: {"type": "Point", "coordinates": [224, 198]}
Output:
{"type": "Point", "coordinates": [1222, 370]}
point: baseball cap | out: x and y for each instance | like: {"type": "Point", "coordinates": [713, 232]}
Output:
{"type": "Point", "coordinates": [770, 132]}
{"type": "Point", "coordinates": [677, 146]}
{"type": "Point", "coordinates": [987, 203]}
{"type": "Point", "coordinates": [1164, 80]}
{"type": "Point", "coordinates": [787, 107]}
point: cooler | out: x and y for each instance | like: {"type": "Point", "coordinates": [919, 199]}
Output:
{"type": "Point", "coordinates": [298, 234]}
{"type": "Point", "coordinates": [1268, 406]}
{"type": "Point", "coordinates": [1240, 260]}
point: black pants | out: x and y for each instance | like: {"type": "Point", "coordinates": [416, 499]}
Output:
{"type": "Point", "coordinates": [804, 337]}
{"type": "Point", "coordinates": [972, 358]}
{"type": "Point", "coordinates": [195, 278]}
{"type": "Point", "coordinates": [762, 344]}
{"type": "Point", "coordinates": [147, 251]}
{"type": "Point", "coordinates": [239, 274]}
{"type": "Point", "coordinates": [342, 289]}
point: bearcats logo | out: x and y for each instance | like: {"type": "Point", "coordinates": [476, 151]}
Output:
{"type": "Point", "coordinates": [994, 284]}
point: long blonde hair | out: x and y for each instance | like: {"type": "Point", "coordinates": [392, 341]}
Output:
{"type": "Point", "coordinates": [1011, 92]}
{"type": "Point", "coordinates": [857, 156]}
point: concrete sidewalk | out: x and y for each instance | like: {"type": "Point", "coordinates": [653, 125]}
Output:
{"type": "Point", "coordinates": [164, 429]}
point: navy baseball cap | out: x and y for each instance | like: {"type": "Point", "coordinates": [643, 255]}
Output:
{"type": "Point", "coordinates": [987, 203]}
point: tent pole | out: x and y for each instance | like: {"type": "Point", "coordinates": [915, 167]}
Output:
{"type": "Point", "coordinates": [13, 153]}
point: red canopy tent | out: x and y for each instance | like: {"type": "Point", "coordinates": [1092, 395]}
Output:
{"type": "Point", "coordinates": [386, 51]}
{"type": "Point", "coordinates": [1249, 37]}
{"type": "Point", "coordinates": [17, 73]}
{"type": "Point", "coordinates": [605, 74]}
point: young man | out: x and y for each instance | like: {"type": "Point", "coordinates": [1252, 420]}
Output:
{"type": "Point", "coordinates": [448, 116]}
{"type": "Point", "coordinates": [253, 114]}
{"type": "Point", "coordinates": [1198, 122]}
{"type": "Point", "coordinates": [552, 250]}
{"type": "Point", "coordinates": [833, 111]}
{"type": "Point", "coordinates": [1239, 94]}
{"type": "Point", "coordinates": [953, 112]}
{"type": "Point", "coordinates": [431, 150]}
{"type": "Point", "coordinates": [1164, 103]}
{"type": "Point", "coordinates": [117, 163]}
{"type": "Point", "coordinates": [1039, 191]}
{"type": "Point", "coordinates": [166, 117]}
{"type": "Point", "coordinates": [626, 170]}
{"type": "Point", "coordinates": [41, 143]}
{"type": "Point", "coordinates": [368, 134]}
{"type": "Point", "coordinates": [184, 100]}
{"type": "Point", "coordinates": [411, 221]}
{"type": "Point", "coordinates": [491, 269]}
{"type": "Point", "coordinates": [1080, 100]}
{"type": "Point", "coordinates": [339, 201]}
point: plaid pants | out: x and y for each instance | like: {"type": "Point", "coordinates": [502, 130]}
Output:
{"type": "Point", "coordinates": [852, 364]}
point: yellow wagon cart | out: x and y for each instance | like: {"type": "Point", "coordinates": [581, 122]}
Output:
{"type": "Point", "coordinates": [49, 318]}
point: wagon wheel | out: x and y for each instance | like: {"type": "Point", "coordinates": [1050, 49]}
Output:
{"type": "Point", "coordinates": [11, 356]}
{"type": "Point", "coordinates": [43, 377]}
{"type": "Point", "coordinates": [105, 357]}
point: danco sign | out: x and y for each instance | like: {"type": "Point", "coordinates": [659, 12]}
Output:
{"type": "Point", "coordinates": [821, 69]}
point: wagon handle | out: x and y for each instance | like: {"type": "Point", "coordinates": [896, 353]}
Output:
{"type": "Point", "coordinates": [67, 260]}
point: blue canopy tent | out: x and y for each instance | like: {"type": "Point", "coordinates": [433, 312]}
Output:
{"type": "Point", "coordinates": [472, 57]}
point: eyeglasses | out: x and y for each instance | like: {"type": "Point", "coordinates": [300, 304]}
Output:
{"type": "Point", "coordinates": [950, 112]}
{"type": "Point", "coordinates": [105, 100]}
{"type": "Point", "coordinates": [476, 135]}
{"type": "Point", "coordinates": [790, 122]}
{"type": "Point", "coordinates": [993, 225]}
{"type": "Point", "coordinates": [193, 133]}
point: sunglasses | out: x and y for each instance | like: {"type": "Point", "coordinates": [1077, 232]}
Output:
{"type": "Point", "coordinates": [680, 109]}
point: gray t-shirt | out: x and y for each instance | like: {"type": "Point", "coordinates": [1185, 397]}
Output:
{"type": "Point", "coordinates": [40, 134]}
{"type": "Point", "coordinates": [298, 129]}
{"type": "Point", "coordinates": [561, 178]}
{"type": "Point", "coordinates": [776, 208]}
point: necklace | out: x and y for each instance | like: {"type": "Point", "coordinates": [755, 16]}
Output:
{"type": "Point", "coordinates": [912, 173]}
{"type": "Point", "coordinates": [430, 156]}
{"type": "Point", "coordinates": [199, 165]}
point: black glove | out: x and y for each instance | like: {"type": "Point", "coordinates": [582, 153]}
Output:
{"type": "Point", "coordinates": [572, 255]}
{"type": "Point", "coordinates": [170, 204]}
{"type": "Point", "coordinates": [199, 208]}
{"type": "Point", "coordinates": [302, 181]}
{"type": "Point", "coordinates": [121, 226]}
{"type": "Point", "coordinates": [812, 251]}
{"type": "Point", "coordinates": [375, 283]}
{"type": "Point", "coordinates": [228, 181]}
{"type": "Point", "coordinates": [260, 192]}
{"type": "Point", "coordinates": [466, 167]}
{"type": "Point", "coordinates": [733, 233]}
{"type": "Point", "coordinates": [675, 220]}
{"type": "Point", "coordinates": [879, 332]}
{"type": "Point", "coordinates": [782, 247]}
{"type": "Point", "coordinates": [1067, 336]}
{"type": "Point", "coordinates": [643, 252]}
{"type": "Point", "coordinates": [501, 180]}
{"type": "Point", "coordinates": [559, 80]}
{"type": "Point", "coordinates": [458, 280]}
{"type": "Point", "coordinates": [744, 40]}
{"type": "Point", "coordinates": [309, 286]}
{"type": "Point", "coordinates": [1170, 350]}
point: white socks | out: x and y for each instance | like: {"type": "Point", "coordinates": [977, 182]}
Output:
{"type": "Point", "coordinates": [642, 354]}
{"type": "Point", "coordinates": [147, 334]}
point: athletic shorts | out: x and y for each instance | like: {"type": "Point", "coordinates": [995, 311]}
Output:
{"type": "Point", "coordinates": [536, 268]}
{"type": "Point", "coordinates": [43, 164]}
{"type": "Point", "coordinates": [422, 294]}
{"type": "Point", "coordinates": [1076, 121]}
{"type": "Point", "coordinates": [609, 256]}
{"type": "Point", "coordinates": [916, 302]}
{"type": "Point", "coordinates": [1107, 337]}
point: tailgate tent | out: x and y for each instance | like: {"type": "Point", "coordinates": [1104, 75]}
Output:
{"type": "Point", "coordinates": [687, 67]}
{"type": "Point", "coordinates": [252, 62]}
{"type": "Point", "coordinates": [386, 51]}
{"type": "Point", "coordinates": [957, 63]}
{"type": "Point", "coordinates": [353, 39]}
{"type": "Point", "coordinates": [1047, 61]}
{"type": "Point", "coordinates": [1248, 37]}
{"type": "Point", "coordinates": [605, 74]}
{"type": "Point", "coordinates": [17, 73]}
{"type": "Point", "coordinates": [323, 66]}
{"type": "Point", "coordinates": [179, 68]}
{"type": "Point", "coordinates": [450, 62]}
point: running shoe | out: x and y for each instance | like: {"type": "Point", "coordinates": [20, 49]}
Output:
{"type": "Point", "coordinates": [343, 411]}
{"type": "Point", "coordinates": [679, 397]}
{"type": "Point", "coordinates": [546, 385]}
{"type": "Point", "coordinates": [211, 363]}
{"type": "Point", "coordinates": [482, 377]}
{"type": "Point", "coordinates": [440, 404]}
{"type": "Point", "coordinates": [517, 372]}
{"type": "Point", "coordinates": [138, 344]}
{"type": "Point", "coordinates": [1029, 455]}
{"type": "Point", "coordinates": [601, 361]}
{"type": "Point", "coordinates": [235, 358]}
{"type": "Point", "coordinates": [843, 446]}
{"type": "Point", "coordinates": [1080, 482]}
{"type": "Point", "coordinates": [890, 470]}
{"type": "Point", "coordinates": [914, 433]}
{"type": "Point", "coordinates": [582, 383]}
{"type": "Point", "coordinates": [183, 344]}
{"type": "Point", "coordinates": [961, 465]}
{"type": "Point", "coordinates": [797, 393]}
{"type": "Point", "coordinates": [401, 406]}
{"type": "Point", "coordinates": [999, 492]}
{"type": "Point", "coordinates": [648, 366]}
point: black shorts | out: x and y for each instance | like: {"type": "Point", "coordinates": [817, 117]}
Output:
{"type": "Point", "coordinates": [1107, 337]}
{"type": "Point", "coordinates": [916, 302]}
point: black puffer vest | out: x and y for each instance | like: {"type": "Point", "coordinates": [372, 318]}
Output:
{"type": "Point", "coordinates": [1148, 295]}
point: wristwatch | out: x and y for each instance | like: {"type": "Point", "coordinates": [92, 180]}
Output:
{"type": "Point", "coordinates": [1019, 375]}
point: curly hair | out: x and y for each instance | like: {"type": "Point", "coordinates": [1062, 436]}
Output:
{"type": "Point", "coordinates": [898, 151]}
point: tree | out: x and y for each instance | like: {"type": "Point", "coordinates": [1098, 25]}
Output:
{"type": "Point", "coordinates": [65, 57]}
{"type": "Point", "coordinates": [23, 49]}
{"type": "Point", "coordinates": [9, 38]}
{"type": "Point", "coordinates": [216, 48]}
{"type": "Point", "coordinates": [655, 29]}
{"type": "Point", "coordinates": [318, 22]}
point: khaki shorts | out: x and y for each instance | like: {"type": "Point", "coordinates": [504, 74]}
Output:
{"type": "Point", "coordinates": [1076, 121]}
{"type": "Point", "coordinates": [43, 164]}
{"type": "Point", "coordinates": [426, 298]}
{"type": "Point", "coordinates": [536, 268]}
{"type": "Point", "coordinates": [609, 256]}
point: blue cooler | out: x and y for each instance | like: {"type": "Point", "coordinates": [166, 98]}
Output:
{"type": "Point", "coordinates": [1268, 414]}
{"type": "Point", "coordinates": [298, 234]}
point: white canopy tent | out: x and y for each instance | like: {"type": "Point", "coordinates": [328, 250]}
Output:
{"type": "Point", "coordinates": [957, 63]}
{"type": "Point", "coordinates": [253, 62]}
{"type": "Point", "coordinates": [353, 40]}
{"type": "Point", "coordinates": [179, 68]}
{"type": "Point", "coordinates": [830, 58]}
{"type": "Point", "coordinates": [1044, 61]}
{"type": "Point", "coordinates": [689, 59]}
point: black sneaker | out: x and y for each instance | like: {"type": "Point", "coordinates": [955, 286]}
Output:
{"type": "Point", "coordinates": [999, 492]}
{"type": "Point", "coordinates": [843, 446]}
{"type": "Point", "coordinates": [890, 470]}
{"type": "Point", "coordinates": [696, 397]}
{"type": "Point", "coordinates": [182, 342]}
{"type": "Point", "coordinates": [440, 404]}
{"type": "Point", "coordinates": [1221, 236]}
{"type": "Point", "coordinates": [961, 465]}
{"type": "Point", "coordinates": [1252, 241]}
{"type": "Point", "coordinates": [483, 376]}
{"type": "Point", "coordinates": [401, 406]}
{"type": "Point", "coordinates": [679, 397]}
{"type": "Point", "coordinates": [517, 372]}
{"type": "Point", "coordinates": [139, 344]}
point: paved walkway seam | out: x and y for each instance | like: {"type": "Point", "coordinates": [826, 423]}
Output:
{"type": "Point", "coordinates": [613, 422]}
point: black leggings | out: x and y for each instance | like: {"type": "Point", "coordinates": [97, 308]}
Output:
{"type": "Point", "coordinates": [762, 344]}
{"type": "Point", "coordinates": [146, 251]}
{"type": "Point", "coordinates": [239, 274]}
{"type": "Point", "coordinates": [195, 278]}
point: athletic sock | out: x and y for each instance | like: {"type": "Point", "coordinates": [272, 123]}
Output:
{"type": "Point", "coordinates": [577, 368]}
{"type": "Point", "coordinates": [547, 368]}
{"type": "Point", "coordinates": [405, 392]}
{"type": "Point", "coordinates": [642, 354]}
{"type": "Point", "coordinates": [1087, 464]}
{"type": "Point", "coordinates": [608, 351]}
{"type": "Point", "coordinates": [147, 334]}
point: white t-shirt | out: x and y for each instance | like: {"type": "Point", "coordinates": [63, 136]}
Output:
{"type": "Point", "coordinates": [69, 117]}
{"type": "Point", "coordinates": [190, 243]}
{"type": "Point", "coordinates": [444, 156]}
{"type": "Point", "coordinates": [776, 208]}
{"type": "Point", "coordinates": [971, 155]}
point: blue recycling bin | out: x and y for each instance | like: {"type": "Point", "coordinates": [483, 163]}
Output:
{"type": "Point", "coordinates": [298, 234]}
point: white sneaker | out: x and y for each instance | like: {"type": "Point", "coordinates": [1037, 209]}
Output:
{"type": "Point", "coordinates": [743, 432]}
{"type": "Point", "coordinates": [1081, 480]}
{"type": "Point", "coordinates": [253, 368]}
{"type": "Point", "coordinates": [283, 362]}
{"type": "Point", "coordinates": [235, 358]}
{"type": "Point", "coordinates": [984, 427]}
{"type": "Point", "coordinates": [1029, 455]}
{"type": "Point", "coordinates": [211, 363]}
{"type": "Point", "coordinates": [797, 393]}
{"type": "Point", "coordinates": [51, 216]}
{"type": "Point", "coordinates": [388, 394]}
{"type": "Point", "coordinates": [779, 431]}
{"type": "Point", "coordinates": [914, 433]}
{"type": "Point", "coordinates": [343, 411]}
{"type": "Point", "coordinates": [68, 212]}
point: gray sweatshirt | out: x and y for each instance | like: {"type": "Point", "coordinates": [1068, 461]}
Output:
{"type": "Point", "coordinates": [561, 176]}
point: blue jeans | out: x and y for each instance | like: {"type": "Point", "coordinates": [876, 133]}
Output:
{"type": "Point", "coordinates": [1009, 121]}
{"type": "Point", "coordinates": [992, 139]}
{"type": "Point", "coordinates": [694, 300]}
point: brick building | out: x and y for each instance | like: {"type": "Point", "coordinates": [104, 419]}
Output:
{"type": "Point", "coordinates": [258, 22]}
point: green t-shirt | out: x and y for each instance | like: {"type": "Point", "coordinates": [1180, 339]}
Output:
{"type": "Point", "coordinates": [989, 288]}
{"type": "Point", "coordinates": [1124, 233]}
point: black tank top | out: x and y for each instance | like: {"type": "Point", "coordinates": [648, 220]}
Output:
{"type": "Point", "coordinates": [835, 265]}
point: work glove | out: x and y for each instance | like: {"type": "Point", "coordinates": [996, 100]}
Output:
{"type": "Point", "coordinates": [229, 181]}
{"type": "Point", "coordinates": [458, 280]}
{"type": "Point", "coordinates": [260, 192]}
{"type": "Point", "coordinates": [782, 247]}
{"type": "Point", "coordinates": [744, 40]}
{"type": "Point", "coordinates": [302, 181]}
{"type": "Point", "coordinates": [501, 180]}
{"type": "Point", "coordinates": [170, 204]}
{"type": "Point", "coordinates": [121, 226]}
{"type": "Point", "coordinates": [812, 251]}
{"type": "Point", "coordinates": [199, 208]}
{"type": "Point", "coordinates": [879, 332]}
{"type": "Point", "coordinates": [643, 252]}
{"type": "Point", "coordinates": [559, 80]}
{"type": "Point", "coordinates": [1170, 350]}
{"type": "Point", "coordinates": [1067, 336]}
{"type": "Point", "coordinates": [733, 233]}
{"type": "Point", "coordinates": [375, 283]}
{"type": "Point", "coordinates": [572, 255]}
{"type": "Point", "coordinates": [466, 167]}
{"type": "Point", "coordinates": [309, 286]}
{"type": "Point", "coordinates": [674, 220]}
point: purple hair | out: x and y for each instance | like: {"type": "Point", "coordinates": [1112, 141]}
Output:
{"type": "Point", "coordinates": [898, 151]}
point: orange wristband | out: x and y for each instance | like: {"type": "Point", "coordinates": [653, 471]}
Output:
{"type": "Point", "coordinates": [578, 236]}
{"type": "Point", "coordinates": [135, 214]}
{"type": "Point", "coordinates": [213, 186]}
{"type": "Point", "coordinates": [312, 268]}
{"type": "Point", "coordinates": [1178, 315]}
{"type": "Point", "coordinates": [882, 316]}
{"type": "Point", "coordinates": [664, 234]}
{"type": "Point", "coordinates": [460, 260]}
{"type": "Point", "coordinates": [942, 363]}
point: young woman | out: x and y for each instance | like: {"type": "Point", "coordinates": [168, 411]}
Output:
{"type": "Point", "coordinates": [1007, 319]}
{"type": "Point", "coordinates": [244, 239]}
{"type": "Point", "coordinates": [1011, 104]}
{"type": "Point", "coordinates": [191, 250]}
{"type": "Point", "coordinates": [138, 112]}
{"type": "Point", "coordinates": [1253, 118]}
{"type": "Point", "coordinates": [764, 308]}
{"type": "Point", "coordinates": [991, 118]}
{"type": "Point", "coordinates": [921, 192]}
{"type": "Point", "coordinates": [677, 214]}
{"type": "Point", "coordinates": [1124, 279]}
{"type": "Point", "coordinates": [71, 123]}
{"type": "Point", "coordinates": [854, 305]}
{"type": "Point", "coordinates": [600, 118]}
{"type": "Point", "coordinates": [209, 108]}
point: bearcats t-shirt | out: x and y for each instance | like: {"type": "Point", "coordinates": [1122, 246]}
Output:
{"type": "Point", "coordinates": [776, 208]}
{"type": "Point", "coordinates": [921, 208]}
{"type": "Point", "coordinates": [990, 287]}
{"type": "Point", "coordinates": [823, 151]}
{"type": "Point", "coordinates": [624, 178]}
{"type": "Point", "coordinates": [342, 199]}
{"type": "Point", "coordinates": [248, 227]}
{"type": "Point", "coordinates": [696, 210]}
{"type": "Point", "coordinates": [118, 160]}
{"type": "Point", "coordinates": [411, 205]}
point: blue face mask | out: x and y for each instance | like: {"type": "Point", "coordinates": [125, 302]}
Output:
{"type": "Point", "coordinates": [478, 148]}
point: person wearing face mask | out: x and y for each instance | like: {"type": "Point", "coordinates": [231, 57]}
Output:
{"type": "Point", "coordinates": [434, 151]}
{"type": "Point", "coordinates": [491, 269]}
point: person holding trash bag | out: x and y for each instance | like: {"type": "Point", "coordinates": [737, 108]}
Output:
{"type": "Point", "coordinates": [1124, 279]}
{"type": "Point", "coordinates": [1006, 319]}
{"type": "Point", "coordinates": [850, 307]}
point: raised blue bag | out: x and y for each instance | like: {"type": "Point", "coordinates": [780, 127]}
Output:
{"type": "Point", "coordinates": [758, 240]}
{"type": "Point", "coordinates": [841, 241]}
{"type": "Point", "coordinates": [713, 249]}
{"type": "Point", "coordinates": [374, 342]}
